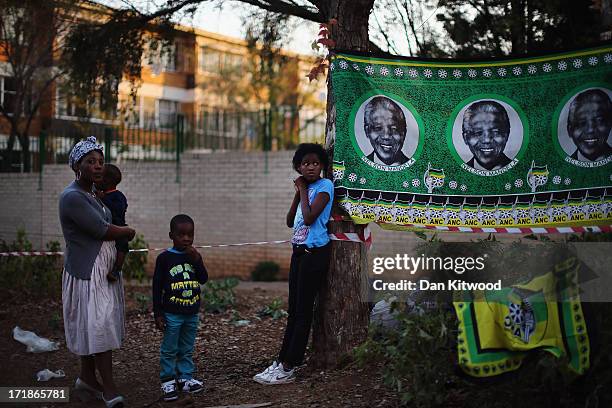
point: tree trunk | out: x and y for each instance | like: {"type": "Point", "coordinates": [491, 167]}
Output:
{"type": "Point", "coordinates": [341, 316]}
{"type": "Point", "coordinates": [9, 154]}
{"type": "Point", "coordinates": [606, 19]}
{"type": "Point", "coordinates": [517, 26]}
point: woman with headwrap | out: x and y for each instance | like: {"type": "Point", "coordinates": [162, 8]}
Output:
{"type": "Point", "coordinates": [93, 307]}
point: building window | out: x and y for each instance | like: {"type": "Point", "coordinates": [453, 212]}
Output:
{"type": "Point", "coordinates": [160, 57]}
{"type": "Point", "coordinates": [8, 94]}
{"type": "Point", "coordinates": [210, 60]}
{"type": "Point", "coordinates": [158, 113]}
{"type": "Point", "coordinates": [234, 63]}
{"type": "Point", "coordinates": [216, 62]}
{"type": "Point", "coordinates": [168, 58]}
{"type": "Point", "coordinates": [68, 106]}
{"type": "Point", "coordinates": [148, 109]}
{"type": "Point", "coordinates": [166, 113]}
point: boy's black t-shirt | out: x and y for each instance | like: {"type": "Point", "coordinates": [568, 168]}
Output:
{"type": "Point", "coordinates": [176, 283]}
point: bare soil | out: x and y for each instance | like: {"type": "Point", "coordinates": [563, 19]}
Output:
{"type": "Point", "coordinates": [227, 356]}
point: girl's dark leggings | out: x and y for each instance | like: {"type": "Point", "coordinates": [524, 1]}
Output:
{"type": "Point", "coordinates": [308, 269]}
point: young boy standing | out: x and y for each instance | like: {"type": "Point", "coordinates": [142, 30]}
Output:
{"type": "Point", "coordinates": [179, 272]}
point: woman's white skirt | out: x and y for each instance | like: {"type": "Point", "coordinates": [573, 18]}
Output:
{"type": "Point", "coordinates": [94, 320]}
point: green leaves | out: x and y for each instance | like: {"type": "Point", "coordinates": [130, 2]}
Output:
{"type": "Point", "coordinates": [38, 275]}
{"type": "Point", "coordinates": [416, 357]}
{"type": "Point", "coordinates": [421, 235]}
{"type": "Point", "coordinates": [135, 262]}
{"type": "Point", "coordinates": [143, 302]}
{"type": "Point", "coordinates": [219, 295]}
{"type": "Point", "coordinates": [266, 271]}
{"type": "Point", "coordinates": [274, 310]}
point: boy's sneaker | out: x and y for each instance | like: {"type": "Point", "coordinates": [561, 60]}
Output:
{"type": "Point", "coordinates": [169, 391]}
{"type": "Point", "coordinates": [264, 376]}
{"type": "Point", "coordinates": [191, 386]}
{"type": "Point", "coordinates": [280, 376]}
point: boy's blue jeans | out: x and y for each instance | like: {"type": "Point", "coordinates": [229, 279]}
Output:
{"type": "Point", "coordinates": [176, 354]}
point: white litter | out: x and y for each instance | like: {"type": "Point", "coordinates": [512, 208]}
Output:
{"type": "Point", "coordinates": [46, 374]}
{"type": "Point", "coordinates": [384, 316]}
{"type": "Point", "coordinates": [35, 343]}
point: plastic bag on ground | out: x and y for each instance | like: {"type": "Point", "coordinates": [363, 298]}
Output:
{"type": "Point", "coordinates": [46, 374]}
{"type": "Point", "coordinates": [383, 316]}
{"type": "Point", "coordinates": [35, 343]}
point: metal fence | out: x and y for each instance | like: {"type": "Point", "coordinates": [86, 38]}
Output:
{"type": "Point", "coordinates": [208, 131]}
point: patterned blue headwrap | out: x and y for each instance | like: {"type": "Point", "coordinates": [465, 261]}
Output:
{"type": "Point", "coordinates": [82, 148]}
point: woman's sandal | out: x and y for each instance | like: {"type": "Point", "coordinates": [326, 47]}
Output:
{"type": "Point", "coordinates": [117, 402]}
{"type": "Point", "coordinates": [85, 391]}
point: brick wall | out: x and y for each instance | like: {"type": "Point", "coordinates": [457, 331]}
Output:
{"type": "Point", "coordinates": [231, 197]}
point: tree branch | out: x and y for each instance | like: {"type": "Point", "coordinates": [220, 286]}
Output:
{"type": "Point", "coordinates": [404, 23]}
{"type": "Point", "coordinates": [291, 8]}
{"type": "Point", "coordinates": [410, 17]}
{"type": "Point", "coordinates": [390, 44]}
{"type": "Point", "coordinates": [288, 7]}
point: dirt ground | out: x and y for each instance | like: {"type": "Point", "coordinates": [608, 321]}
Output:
{"type": "Point", "coordinates": [227, 357]}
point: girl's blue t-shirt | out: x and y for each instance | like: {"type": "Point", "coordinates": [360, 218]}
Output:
{"type": "Point", "coordinates": [314, 235]}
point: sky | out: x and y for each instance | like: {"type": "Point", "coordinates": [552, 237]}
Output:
{"type": "Point", "coordinates": [228, 21]}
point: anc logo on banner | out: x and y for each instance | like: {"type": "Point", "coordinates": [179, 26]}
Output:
{"type": "Point", "coordinates": [498, 328]}
{"type": "Point", "coordinates": [498, 145]}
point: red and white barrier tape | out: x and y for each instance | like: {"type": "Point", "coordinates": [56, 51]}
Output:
{"type": "Point", "coordinates": [31, 253]}
{"type": "Point", "coordinates": [40, 253]}
{"type": "Point", "coordinates": [524, 230]}
{"type": "Point", "coordinates": [218, 245]}
{"type": "Point", "coordinates": [366, 238]}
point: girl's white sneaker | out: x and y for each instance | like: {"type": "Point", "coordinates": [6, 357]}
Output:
{"type": "Point", "coordinates": [280, 376]}
{"type": "Point", "coordinates": [264, 376]}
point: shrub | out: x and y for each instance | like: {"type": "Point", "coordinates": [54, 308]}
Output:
{"type": "Point", "coordinates": [420, 361]}
{"type": "Point", "coordinates": [143, 301]}
{"type": "Point", "coordinates": [37, 275]}
{"type": "Point", "coordinates": [135, 262]}
{"type": "Point", "coordinates": [265, 271]}
{"type": "Point", "coordinates": [274, 310]}
{"type": "Point", "coordinates": [419, 358]}
{"type": "Point", "coordinates": [219, 295]}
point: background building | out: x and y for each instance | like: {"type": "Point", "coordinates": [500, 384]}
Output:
{"type": "Point", "coordinates": [198, 92]}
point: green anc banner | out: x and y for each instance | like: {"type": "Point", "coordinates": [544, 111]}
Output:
{"type": "Point", "coordinates": [497, 329]}
{"type": "Point", "coordinates": [513, 145]}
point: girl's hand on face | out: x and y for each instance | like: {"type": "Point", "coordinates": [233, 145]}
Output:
{"type": "Point", "coordinates": [300, 183]}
